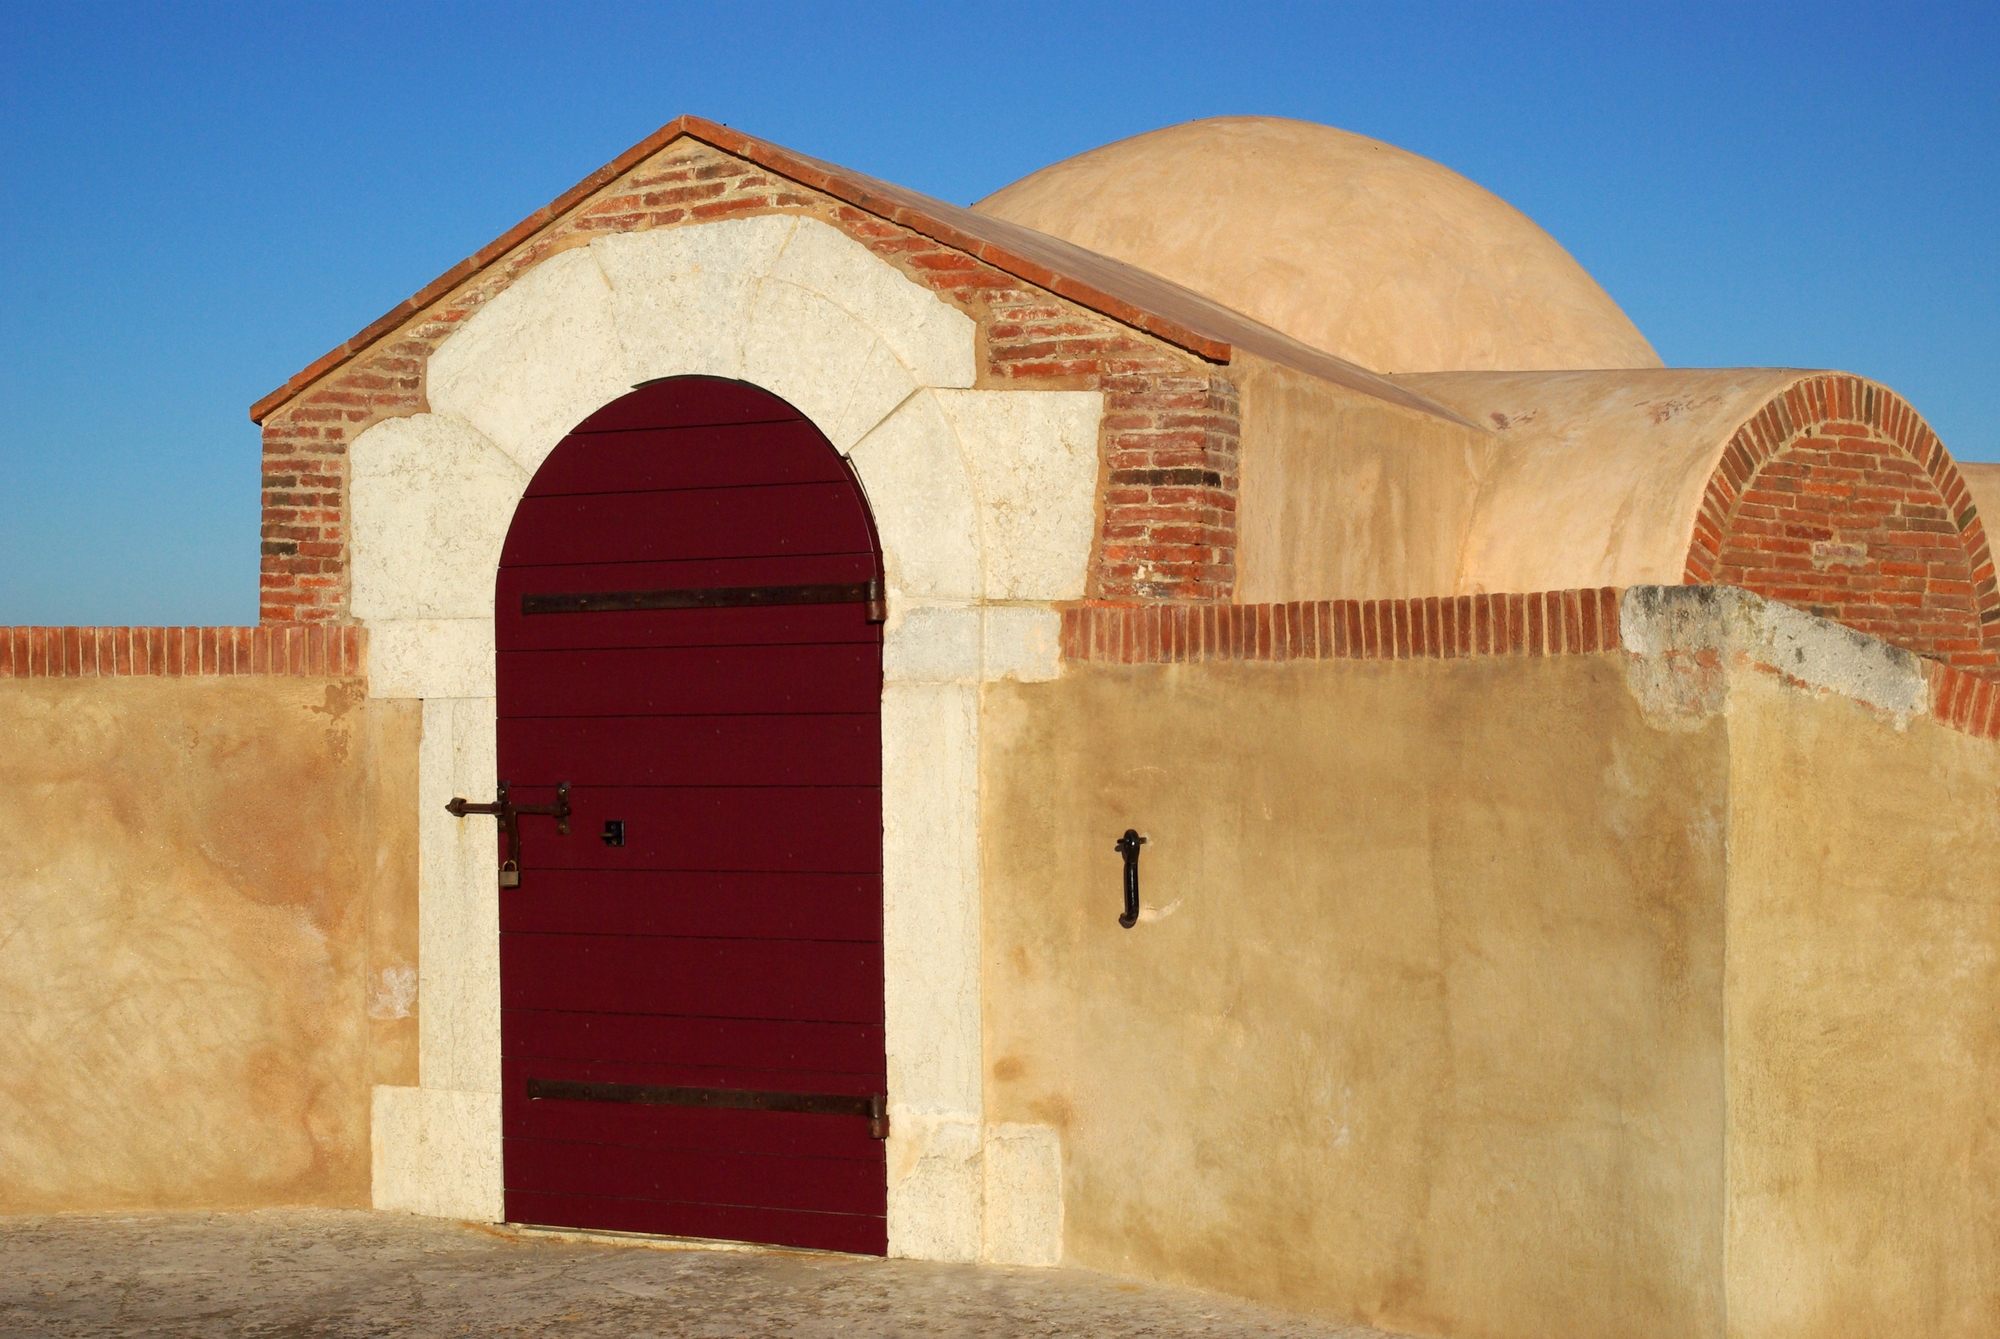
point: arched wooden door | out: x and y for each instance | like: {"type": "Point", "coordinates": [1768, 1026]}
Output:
{"type": "Point", "coordinates": [691, 978]}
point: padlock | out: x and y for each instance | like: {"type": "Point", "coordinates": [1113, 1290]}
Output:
{"type": "Point", "coordinates": [510, 874]}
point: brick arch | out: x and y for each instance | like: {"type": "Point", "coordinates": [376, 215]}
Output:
{"type": "Point", "coordinates": [1837, 497]}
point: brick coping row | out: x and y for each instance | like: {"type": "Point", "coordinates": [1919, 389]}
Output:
{"type": "Point", "coordinates": [316, 650]}
{"type": "Point", "coordinates": [1547, 623]}
{"type": "Point", "coordinates": [1964, 701]}
{"type": "Point", "coordinates": [1559, 622]}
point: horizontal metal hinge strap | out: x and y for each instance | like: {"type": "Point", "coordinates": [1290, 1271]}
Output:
{"type": "Point", "coordinates": [711, 597]}
{"type": "Point", "coordinates": [875, 1109]}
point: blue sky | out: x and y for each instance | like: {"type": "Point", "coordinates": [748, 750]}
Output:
{"type": "Point", "coordinates": [197, 200]}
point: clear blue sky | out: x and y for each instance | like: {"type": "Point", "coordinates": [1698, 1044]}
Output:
{"type": "Point", "coordinates": [197, 200]}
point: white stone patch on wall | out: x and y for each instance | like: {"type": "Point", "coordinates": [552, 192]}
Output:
{"type": "Point", "coordinates": [535, 361]}
{"type": "Point", "coordinates": [1020, 643]}
{"type": "Point", "coordinates": [681, 298]}
{"type": "Point", "coordinates": [1684, 638]}
{"type": "Point", "coordinates": [985, 503]}
{"type": "Point", "coordinates": [392, 992]}
{"type": "Point", "coordinates": [933, 339]}
{"type": "Point", "coordinates": [855, 383]}
{"type": "Point", "coordinates": [722, 299]}
{"type": "Point", "coordinates": [936, 1206]}
{"type": "Point", "coordinates": [431, 657]}
{"type": "Point", "coordinates": [437, 1153]}
{"type": "Point", "coordinates": [912, 468]}
{"type": "Point", "coordinates": [458, 902]}
{"type": "Point", "coordinates": [429, 501]}
{"type": "Point", "coordinates": [1022, 1166]}
{"type": "Point", "coordinates": [1034, 463]}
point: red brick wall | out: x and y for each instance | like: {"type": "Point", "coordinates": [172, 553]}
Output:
{"type": "Point", "coordinates": [1838, 499]}
{"type": "Point", "coordinates": [1170, 447]}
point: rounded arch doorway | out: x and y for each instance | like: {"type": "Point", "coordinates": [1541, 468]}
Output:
{"type": "Point", "coordinates": [687, 626]}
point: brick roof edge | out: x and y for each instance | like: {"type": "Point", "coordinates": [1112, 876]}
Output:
{"type": "Point", "coordinates": [1060, 269]}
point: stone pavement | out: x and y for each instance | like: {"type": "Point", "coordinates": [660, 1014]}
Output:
{"type": "Point", "coordinates": [333, 1274]}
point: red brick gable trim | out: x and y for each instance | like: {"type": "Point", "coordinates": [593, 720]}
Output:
{"type": "Point", "coordinates": [1169, 438]}
{"type": "Point", "coordinates": [1838, 458]}
{"type": "Point", "coordinates": [1111, 288]}
{"type": "Point", "coordinates": [317, 651]}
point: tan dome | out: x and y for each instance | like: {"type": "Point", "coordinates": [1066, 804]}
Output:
{"type": "Point", "coordinates": [1351, 245]}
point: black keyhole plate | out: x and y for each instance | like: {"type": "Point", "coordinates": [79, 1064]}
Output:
{"type": "Point", "coordinates": [614, 832]}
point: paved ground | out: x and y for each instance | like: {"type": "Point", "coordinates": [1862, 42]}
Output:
{"type": "Point", "coordinates": [320, 1274]}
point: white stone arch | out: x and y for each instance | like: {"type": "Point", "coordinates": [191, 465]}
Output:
{"type": "Point", "coordinates": [985, 505]}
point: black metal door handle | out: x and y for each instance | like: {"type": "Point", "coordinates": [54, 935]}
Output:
{"type": "Point", "coordinates": [509, 815]}
{"type": "Point", "coordinates": [1128, 846]}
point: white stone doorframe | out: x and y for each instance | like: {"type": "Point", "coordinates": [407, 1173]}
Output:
{"type": "Point", "coordinates": [985, 505]}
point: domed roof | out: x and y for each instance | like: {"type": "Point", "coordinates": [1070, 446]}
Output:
{"type": "Point", "coordinates": [1346, 243]}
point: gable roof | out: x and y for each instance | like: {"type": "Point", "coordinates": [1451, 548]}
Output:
{"type": "Point", "coordinates": [1123, 292]}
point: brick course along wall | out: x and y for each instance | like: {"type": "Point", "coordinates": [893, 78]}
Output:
{"type": "Point", "coordinates": [1838, 499]}
{"type": "Point", "coordinates": [1170, 438]}
{"type": "Point", "coordinates": [1462, 627]}
{"type": "Point", "coordinates": [1546, 623]}
{"type": "Point", "coordinates": [93, 653]}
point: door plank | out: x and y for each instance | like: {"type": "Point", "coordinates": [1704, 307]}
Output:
{"type": "Point", "coordinates": [707, 904]}
{"type": "Point", "coordinates": [807, 980]}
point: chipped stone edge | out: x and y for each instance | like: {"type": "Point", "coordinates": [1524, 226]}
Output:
{"type": "Point", "coordinates": [1685, 639]}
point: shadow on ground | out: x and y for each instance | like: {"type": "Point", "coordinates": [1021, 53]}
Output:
{"type": "Point", "coordinates": [330, 1274]}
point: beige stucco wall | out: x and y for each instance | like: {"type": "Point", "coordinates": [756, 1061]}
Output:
{"type": "Point", "coordinates": [1345, 496]}
{"type": "Point", "coordinates": [1546, 481]}
{"type": "Point", "coordinates": [1423, 1024]}
{"type": "Point", "coordinates": [207, 939]}
{"type": "Point", "coordinates": [1864, 1023]}
{"type": "Point", "coordinates": [1649, 993]}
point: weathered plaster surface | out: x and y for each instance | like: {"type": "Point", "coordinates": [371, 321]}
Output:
{"type": "Point", "coordinates": [1863, 1041]}
{"type": "Point", "coordinates": [1345, 497]}
{"type": "Point", "coordinates": [985, 502]}
{"type": "Point", "coordinates": [1639, 993]}
{"type": "Point", "coordinates": [1424, 1028]}
{"type": "Point", "coordinates": [207, 939]}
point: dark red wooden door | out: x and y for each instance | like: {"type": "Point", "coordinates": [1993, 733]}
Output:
{"type": "Point", "coordinates": [731, 947]}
